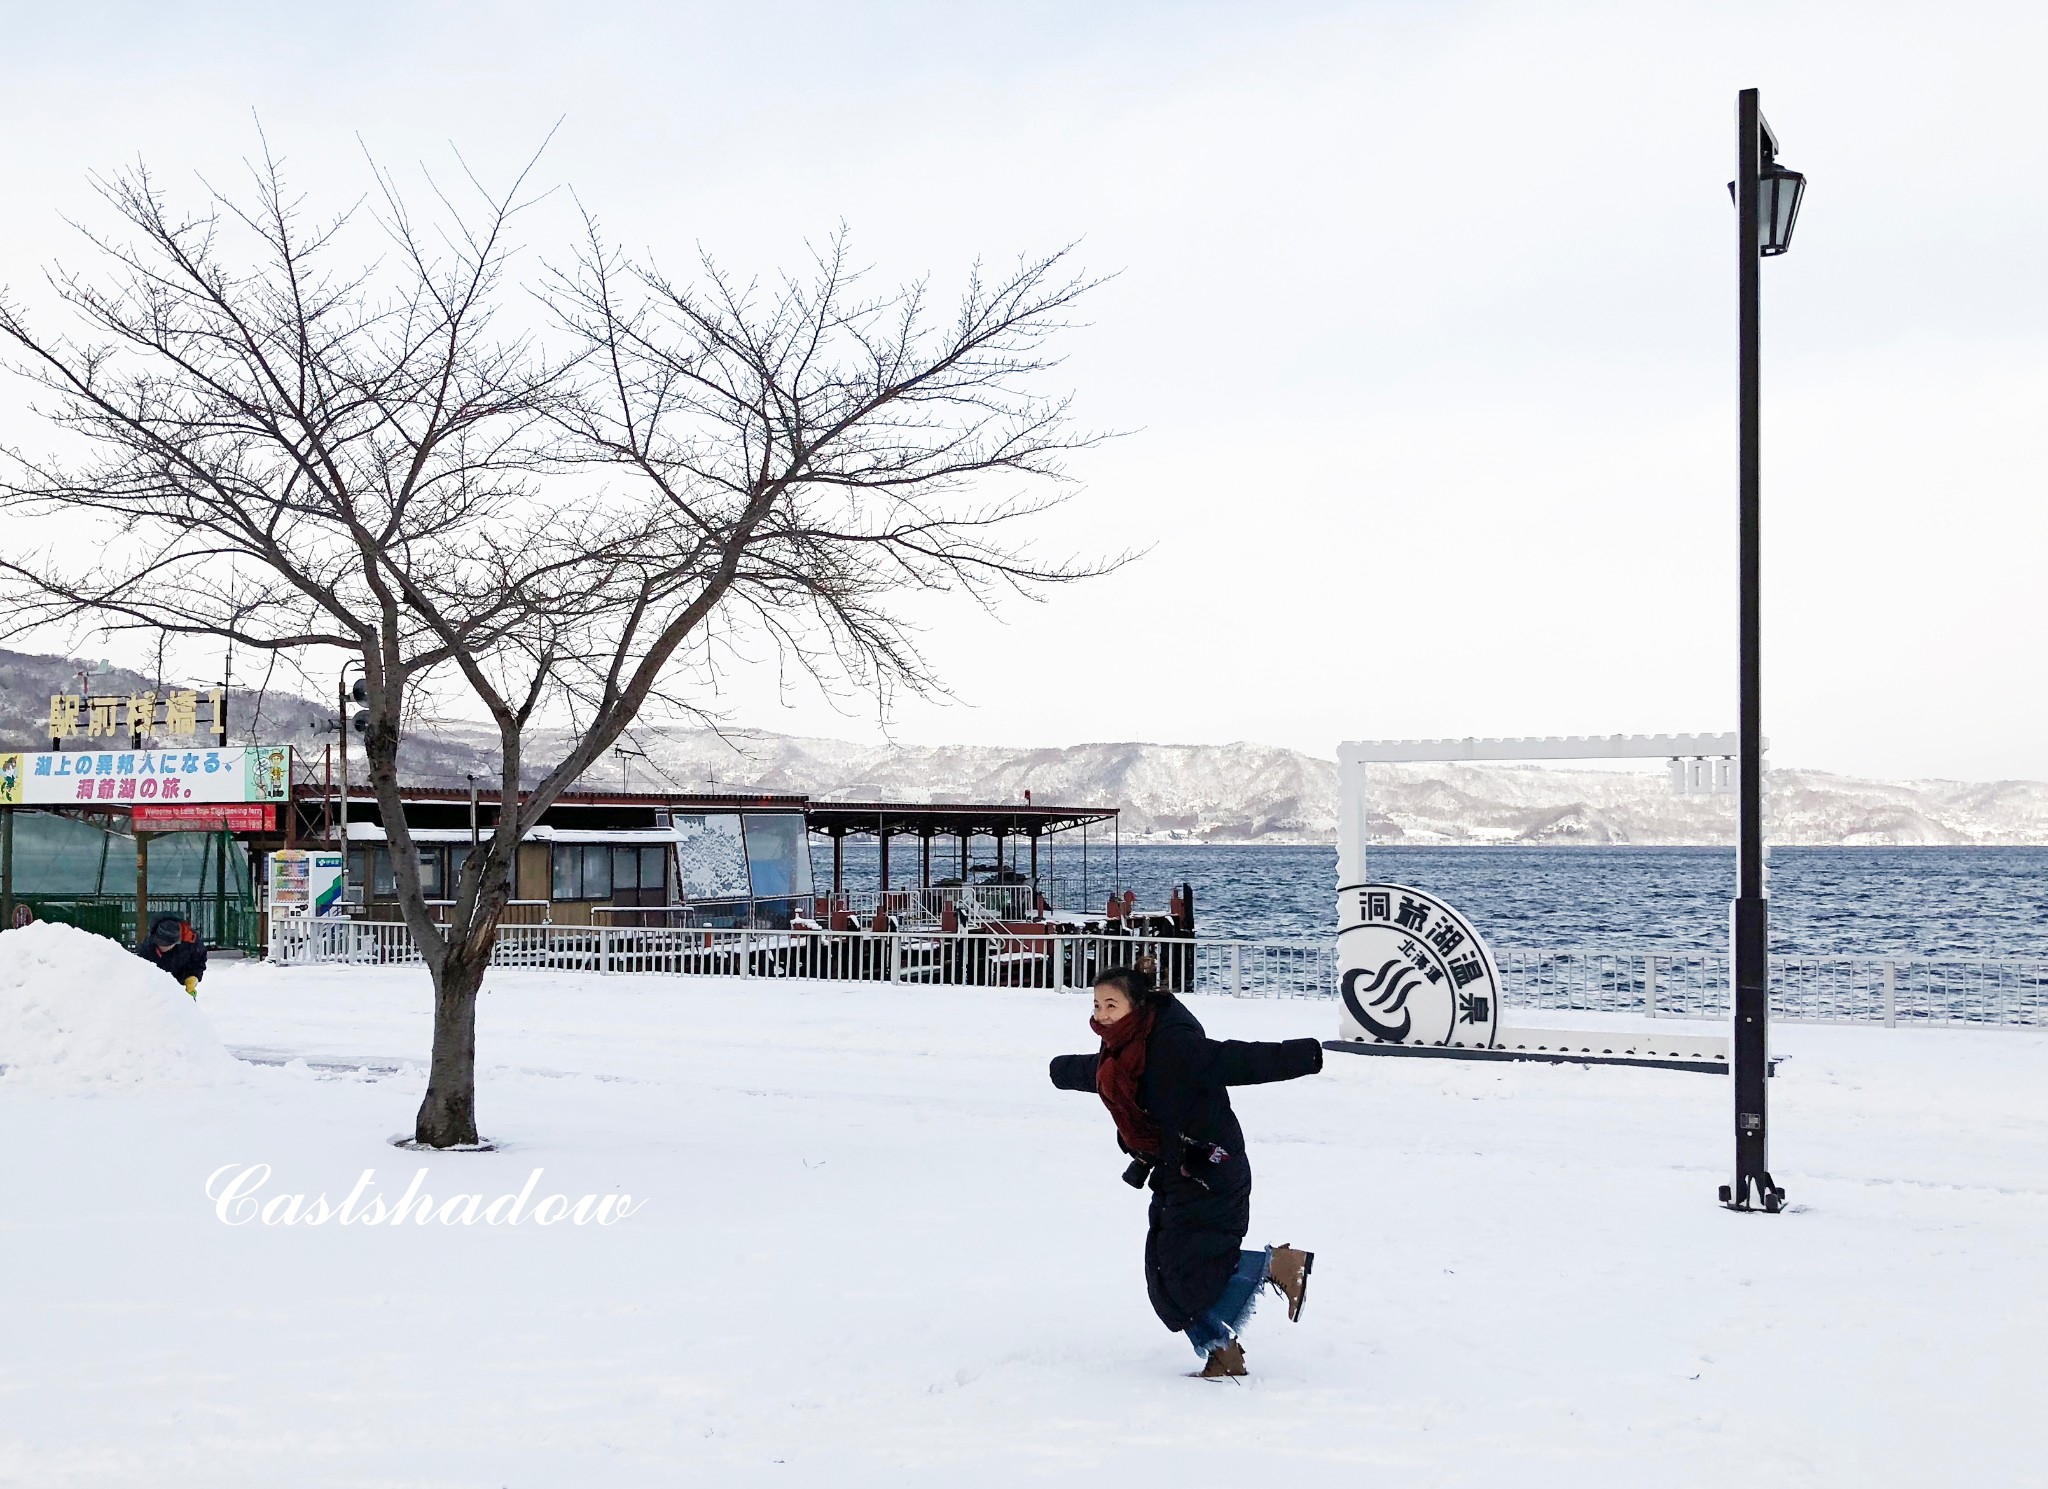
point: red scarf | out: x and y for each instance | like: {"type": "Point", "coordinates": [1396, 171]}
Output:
{"type": "Point", "coordinates": [1117, 1071]}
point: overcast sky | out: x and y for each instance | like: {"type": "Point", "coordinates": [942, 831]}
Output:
{"type": "Point", "coordinates": [1423, 330]}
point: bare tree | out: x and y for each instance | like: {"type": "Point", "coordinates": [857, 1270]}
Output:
{"type": "Point", "coordinates": [289, 440]}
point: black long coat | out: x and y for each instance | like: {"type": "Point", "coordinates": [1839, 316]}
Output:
{"type": "Point", "coordinates": [1196, 1231]}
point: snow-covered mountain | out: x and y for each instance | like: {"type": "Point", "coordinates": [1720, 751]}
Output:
{"type": "Point", "coordinates": [1262, 793]}
{"type": "Point", "coordinates": [1235, 793]}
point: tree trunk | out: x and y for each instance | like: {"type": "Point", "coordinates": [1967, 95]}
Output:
{"type": "Point", "coordinates": [448, 1113]}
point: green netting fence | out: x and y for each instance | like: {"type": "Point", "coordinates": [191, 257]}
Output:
{"type": "Point", "coordinates": [71, 870]}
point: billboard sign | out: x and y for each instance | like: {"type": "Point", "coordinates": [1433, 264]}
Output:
{"type": "Point", "coordinates": [127, 778]}
{"type": "Point", "coordinates": [712, 855]}
{"type": "Point", "coordinates": [199, 816]}
{"type": "Point", "coordinates": [132, 716]}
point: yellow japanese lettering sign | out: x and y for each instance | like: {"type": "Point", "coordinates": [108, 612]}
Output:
{"type": "Point", "coordinates": [137, 716]}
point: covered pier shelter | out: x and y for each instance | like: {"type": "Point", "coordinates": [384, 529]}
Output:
{"type": "Point", "coordinates": [637, 858]}
{"type": "Point", "coordinates": [954, 827]}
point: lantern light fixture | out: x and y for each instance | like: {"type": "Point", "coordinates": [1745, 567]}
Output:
{"type": "Point", "coordinates": [1778, 193]}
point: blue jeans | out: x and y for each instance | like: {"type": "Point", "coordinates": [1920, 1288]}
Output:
{"type": "Point", "coordinates": [1217, 1327]}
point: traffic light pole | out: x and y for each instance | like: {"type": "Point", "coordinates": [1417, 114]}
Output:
{"type": "Point", "coordinates": [1750, 923]}
{"type": "Point", "coordinates": [342, 695]}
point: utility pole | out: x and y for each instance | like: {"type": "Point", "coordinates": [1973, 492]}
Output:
{"type": "Point", "coordinates": [6, 868]}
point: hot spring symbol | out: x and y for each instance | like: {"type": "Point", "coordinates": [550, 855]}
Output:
{"type": "Point", "coordinates": [1388, 990]}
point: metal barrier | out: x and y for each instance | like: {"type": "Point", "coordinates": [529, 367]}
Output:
{"type": "Point", "coordinates": [517, 912]}
{"type": "Point", "coordinates": [1860, 990]}
{"type": "Point", "coordinates": [1808, 989]}
{"type": "Point", "coordinates": [974, 906]}
{"type": "Point", "coordinates": [109, 918]}
{"type": "Point", "coordinates": [981, 959]}
{"type": "Point", "coordinates": [233, 922]}
{"type": "Point", "coordinates": [972, 902]}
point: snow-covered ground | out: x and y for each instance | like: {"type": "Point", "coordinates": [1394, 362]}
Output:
{"type": "Point", "coordinates": [874, 1246]}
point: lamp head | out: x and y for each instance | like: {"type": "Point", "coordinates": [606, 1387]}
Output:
{"type": "Point", "coordinates": [1778, 194]}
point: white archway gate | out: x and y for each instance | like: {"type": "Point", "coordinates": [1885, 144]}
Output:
{"type": "Point", "coordinates": [1417, 978]}
{"type": "Point", "coordinates": [1355, 755]}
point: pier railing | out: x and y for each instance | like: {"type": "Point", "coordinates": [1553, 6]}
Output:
{"type": "Point", "coordinates": [914, 908]}
{"type": "Point", "coordinates": [1914, 991]}
{"type": "Point", "coordinates": [989, 959]}
{"type": "Point", "coordinates": [972, 902]}
{"type": "Point", "coordinates": [1814, 989]}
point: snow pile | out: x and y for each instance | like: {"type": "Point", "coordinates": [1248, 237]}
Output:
{"type": "Point", "coordinates": [80, 1012]}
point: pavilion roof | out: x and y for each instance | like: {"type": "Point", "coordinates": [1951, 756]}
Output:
{"type": "Point", "coordinates": [948, 819]}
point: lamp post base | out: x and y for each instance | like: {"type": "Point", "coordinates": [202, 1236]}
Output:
{"type": "Point", "coordinates": [1768, 1197]}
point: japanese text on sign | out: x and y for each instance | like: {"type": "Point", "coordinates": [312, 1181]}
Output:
{"type": "Point", "coordinates": [125, 777]}
{"type": "Point", "coordinates": [137, 715]}
{"type": "Point", "coordinates": [1376, 907]}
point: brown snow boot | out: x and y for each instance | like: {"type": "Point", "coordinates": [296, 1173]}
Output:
{"type": "Point", "coordinates": [1288, 1271]}
{"type": "Point", "coordinates": [1224, 1363]}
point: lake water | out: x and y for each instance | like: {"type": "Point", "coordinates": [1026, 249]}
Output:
{"type": "Point", "coordinates": [1930, 902]}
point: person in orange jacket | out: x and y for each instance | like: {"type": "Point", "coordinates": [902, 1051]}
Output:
{"type": "Point", "coordinates": [174, 945]}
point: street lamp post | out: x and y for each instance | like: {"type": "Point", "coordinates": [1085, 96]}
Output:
{"type": "Point", "coordinates": [1767, 206]}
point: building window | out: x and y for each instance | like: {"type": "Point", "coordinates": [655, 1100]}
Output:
{"type": "Point", "coordinates": [457, 857]}
{"type": "Point", "coordinates": [640, 875]}
{"type": "Point", "coordinates": [597, 871]}
{"type": "Point", "coordinates": [654, 875]}
{"type": "Point", "coordinates": [583, 871]}
{"type": "Point", "coordinates": [778, 854]}
{"type": "Point", "coordinates": [369, 872]}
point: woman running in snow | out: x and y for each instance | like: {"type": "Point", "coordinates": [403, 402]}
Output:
{"type": "Point", "coordinates": [1165, 1084]}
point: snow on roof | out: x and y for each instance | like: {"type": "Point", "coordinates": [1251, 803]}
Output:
{"type": "Point", "coordinates": [373, 832]}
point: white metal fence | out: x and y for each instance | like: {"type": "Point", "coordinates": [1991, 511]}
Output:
{"type": "Point", "coordinates": [973, 905]}
{"type": "Point", "coordinates": [973, 958]}
{"type": "Point", "coordinates": [1867, 990]}
{"type": "Point", "coordinates": [972, 902]}
{"type": "Point", "coordinates": [1820, 989]}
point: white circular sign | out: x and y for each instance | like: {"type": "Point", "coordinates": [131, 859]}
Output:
{"type": "Point", "coordinates": [1411, 970]}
